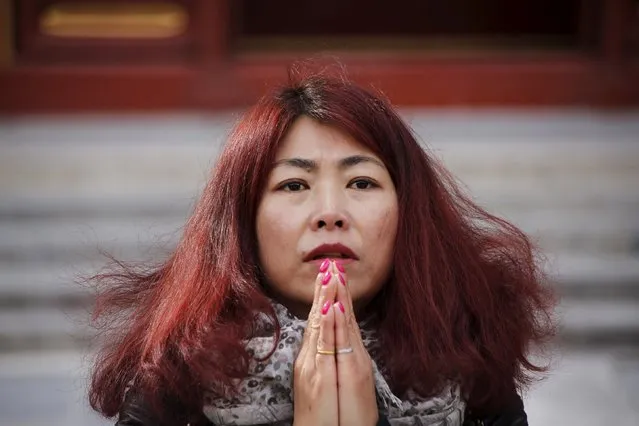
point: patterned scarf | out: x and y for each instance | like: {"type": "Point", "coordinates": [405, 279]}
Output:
{"type": "Point", "coordinates": [266, 394]}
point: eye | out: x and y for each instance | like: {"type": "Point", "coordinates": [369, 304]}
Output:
{"type": "Point", "coordinates": [362, 183]}
{"type": "Point", "coordinates": [293, 186]}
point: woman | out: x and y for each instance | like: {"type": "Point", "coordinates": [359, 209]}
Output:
{"type": "Point", "coordinates": [332, 273]}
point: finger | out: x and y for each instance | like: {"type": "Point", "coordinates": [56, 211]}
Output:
{"type": "Point", "coordinates": [313, 319]}
{"type": "Point", "coordinates": [326, 338]}
{"type": "Point", "coordinates": [344, 296]}
{"type": "Point", "coordinates": [324, 266]}
{"type": "Point", "coordinates": [342, 309]}
{"type": "Point", "coordinates": [320, 280]}
{"type": "Point", "coordinates": [325, 292]}
{"type": "Point", "coordinates": [313, 315]}
{"type": "Point", "coordinates": [342, 335]}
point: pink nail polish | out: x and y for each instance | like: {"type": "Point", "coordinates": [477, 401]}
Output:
{"type": "Point", "coordinates": [342, 279]}
{"type": "Point", "coordinates": [324, 265]}
{"type": "Point", "coordinates": [326, 307]}
{"type": "Point", "coordinates": [326, 279]}
{"type": "Point", "coordinates": [341, 307]}
{"type": "Point", "coordinates": [339, 266]}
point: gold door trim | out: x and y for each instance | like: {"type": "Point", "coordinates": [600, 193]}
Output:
{"type": "Point", "coordinates": [114, 20]}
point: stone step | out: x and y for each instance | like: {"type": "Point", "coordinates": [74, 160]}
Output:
{"type": "Point", "coordinates": [87, 237]}
{"type": "Point", "coordinates": [599, 322]}
{"type": "Point", "coordinates": [446, 125]}
{"type": "Point", "coordinates": [47, 283]}
{"type": "Point", "coordinates": [491, 191]}
{"type": "Point", "coordinates": [44, 321]}
{"type": "Point", "coordinates": [586, 316]}
{"type": "Point", "coordinates": [41, 280]}
{"type": "Point", "coordinates": [569, 267]}
{"type": "Point", "coordinates": [590, 387]}
{"type": "Point", "coordinates": [570, 192]}
{"type": "Point", "coordinates": [590, 270]}
{"type": "Point", "coordinates": [560, 156]}
{"type": "Point", "coordinates": [608, 209]}
{"type": "Point", "coordinates": [602, 230]}
{"type": "Point", "coordinates": [514, 125]}
{"type": "Point", "coordinates": [128, 173]}
{"type": "Point", "coordinates": [90, 206]}
{"type": "Point", "coordinates": [46, 327]}
{"type": "Point", "coordinates": [127, 154]}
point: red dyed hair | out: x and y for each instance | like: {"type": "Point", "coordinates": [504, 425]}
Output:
{"type": "Point", "coordinates": [466, 299]}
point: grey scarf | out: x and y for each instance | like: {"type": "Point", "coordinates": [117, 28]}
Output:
{"type": "Point", "coordinates": [266, 394]}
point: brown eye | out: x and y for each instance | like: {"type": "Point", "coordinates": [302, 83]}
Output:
{"type": "Point", "coordinates": [292, 186]}
{"type": "Point", "coordinates": [363, 184]}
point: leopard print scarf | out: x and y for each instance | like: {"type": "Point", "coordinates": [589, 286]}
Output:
{"type": "Point", "coordinates": [266, 395]}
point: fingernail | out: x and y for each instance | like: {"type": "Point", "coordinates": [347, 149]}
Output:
{"type": "Point", "coordinates": [326, 307]}
{"type": "Point", "coordinates": [339, 266]}
{"type": "Point", "coordinates": [342, 279]}
{"type": "Point", "coordinates": [326, 279]}
{"type": "Point", "coordinates": [341, 307]}
{"type": "Point", "coordinates": [324, 265]}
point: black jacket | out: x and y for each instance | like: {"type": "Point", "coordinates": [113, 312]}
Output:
{"type": "Point", "coordinates": [136, 413]}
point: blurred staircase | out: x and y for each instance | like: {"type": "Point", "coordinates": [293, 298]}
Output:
{"type": "Point", "coordinates": [72, 186]}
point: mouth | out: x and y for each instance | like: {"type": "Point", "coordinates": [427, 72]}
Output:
{"type": "Point", "coordinates": [331, 251]}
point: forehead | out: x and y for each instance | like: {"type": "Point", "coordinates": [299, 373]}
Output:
{"type": "Point", "coordinates": [309, 138]}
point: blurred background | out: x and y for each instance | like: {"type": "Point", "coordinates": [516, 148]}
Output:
{"type": "Point", "coordinates": [112, 113]}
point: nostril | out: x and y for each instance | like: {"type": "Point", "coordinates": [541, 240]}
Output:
{"type": "Point", "coordinates": [321, 224]}
{"type": "Point", "coordinates": [339, 223]}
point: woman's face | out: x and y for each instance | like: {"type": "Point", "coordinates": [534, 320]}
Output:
{"type": "Point", "coordinates": [327, 196]}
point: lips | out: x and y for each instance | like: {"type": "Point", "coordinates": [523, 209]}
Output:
{"type": "Point", "coordinates": [333, 251]}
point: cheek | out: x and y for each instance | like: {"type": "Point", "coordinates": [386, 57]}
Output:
{"type": "Point", "coordinates": [379, 242]}
{"type": "Point", "coordinates": [269, 226]}
{"type": "Point", "coordinates": [381, 231]}
{"type": "Point", "coordinates": [278, 232]}
{"type": "Point", "coordinates": [386, 226]}
{"type": "Point", "coordinates": [385, 244]}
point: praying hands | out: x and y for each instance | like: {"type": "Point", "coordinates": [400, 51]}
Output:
{"type": "Point", "coordinates": [333, 376]}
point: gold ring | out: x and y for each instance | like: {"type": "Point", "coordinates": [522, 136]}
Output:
{"type": "Point", "coordinates": [324, 352]}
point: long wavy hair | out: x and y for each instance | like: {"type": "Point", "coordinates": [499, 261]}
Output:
{"type": "Point", "coordinates": [466, 299]}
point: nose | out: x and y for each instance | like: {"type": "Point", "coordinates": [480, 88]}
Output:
{"type": "Point", "coordinates": [330, 213]}
{"type": "Point", "coordinates": [329, 221]}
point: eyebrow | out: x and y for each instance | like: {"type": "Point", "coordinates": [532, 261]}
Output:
{"type": "Point", "coordinates": [344, 163]}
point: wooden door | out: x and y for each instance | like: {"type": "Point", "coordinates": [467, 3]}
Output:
{"type": "Point", "coordinates": [88, 55]}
